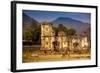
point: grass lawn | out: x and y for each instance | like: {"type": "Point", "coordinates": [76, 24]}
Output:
{"type": "Point", "coordinates": [41, 56]}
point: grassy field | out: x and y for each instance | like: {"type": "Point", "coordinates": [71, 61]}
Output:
{"type": "Point", "coordinates": [42, 56]}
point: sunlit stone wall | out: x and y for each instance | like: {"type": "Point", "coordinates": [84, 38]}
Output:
{"type": "Point", "coordinates": [85, 43]}
{"type": "Point", "coordinates": [62, 39]}
{"type": "Point", "coordinates": [47, 36]}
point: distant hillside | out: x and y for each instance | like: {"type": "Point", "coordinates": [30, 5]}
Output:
{"type": "Point", "coordinates": [31, 30]}
{"type": "Point", "coordinates": [68, 22]}
{"type": "Point", "coordinates": [71, 23]}
{"type": "Point", "coordinates": [28, 21]}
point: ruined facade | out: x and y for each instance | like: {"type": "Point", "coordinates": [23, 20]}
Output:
{"type": "Point", "coordinates": [63, 41]}
{"type": "Point", "coordinates": [48, 38]}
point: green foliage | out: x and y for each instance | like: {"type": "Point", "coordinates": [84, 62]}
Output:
{"type": "Point", "coordinates": [68, 32]}
{"type": "Point", "coordinates": [71, 32]}
{"type": "Point", "coordinates": [61, 27]}
{"type": "Point", "coordinates": [32, 33]}
{"type": "Point", "coordinates": [56, 30]}
{"type": "Point", "coordinates": [27, 35]}
{"type": "Point", "coordinates": [36, 35]}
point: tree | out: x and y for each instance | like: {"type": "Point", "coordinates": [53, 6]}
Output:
{"type": "Point", "coordinates": [33, 34]}
{"type": "Point", "coordinates": [71, 32]}
{"type": "Point", "coordinates": [61, 27]}
{"type": "Point", "coordinates": [27, 34]}
{"type": "Point", "coordinates": [36, 35]}
{"type": "Point", "coordinates": [56, 30]}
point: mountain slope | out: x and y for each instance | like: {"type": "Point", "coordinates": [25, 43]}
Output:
{"type": "Point", "coordinates": [28, 21]}
{"type": "Point", "coordinates": [71, 23]}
